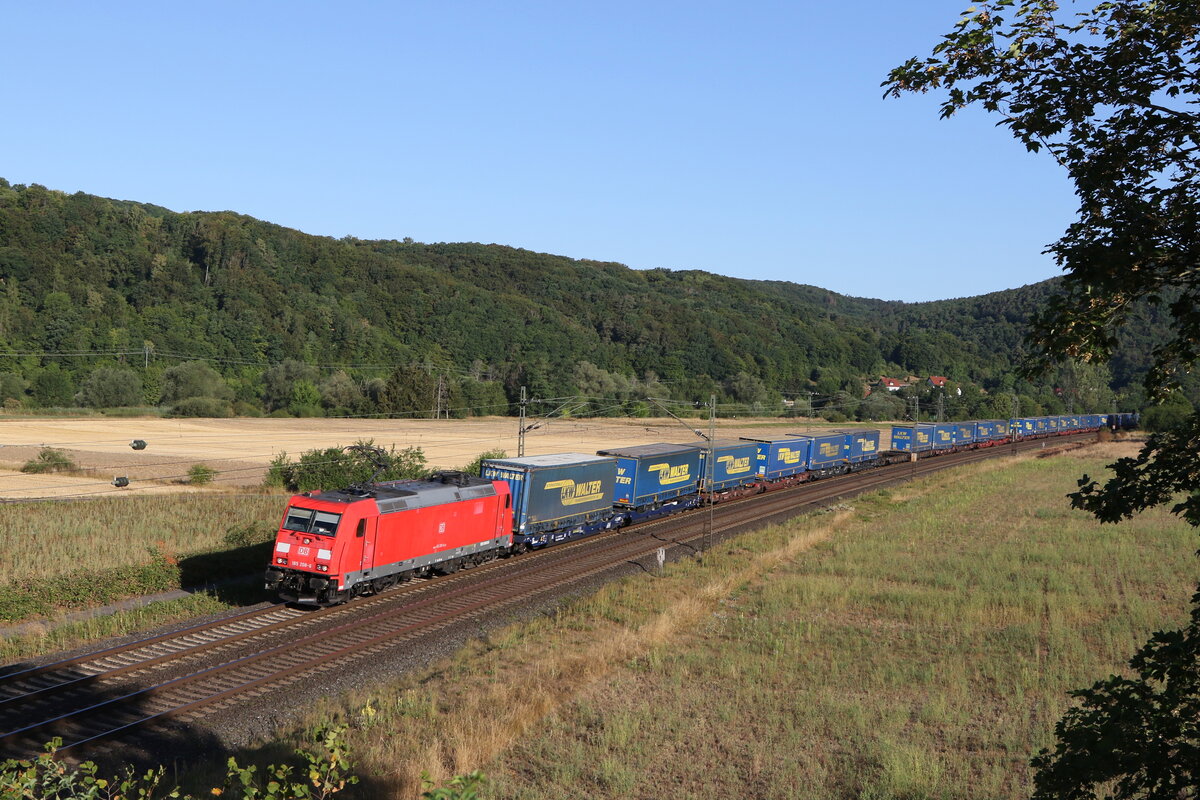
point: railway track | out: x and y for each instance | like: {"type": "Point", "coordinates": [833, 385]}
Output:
{"type": "Point", "coordinates": [178, 677]}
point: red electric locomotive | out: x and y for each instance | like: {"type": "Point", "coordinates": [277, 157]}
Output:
{"type": "Point", "coordinates": [334, 545]}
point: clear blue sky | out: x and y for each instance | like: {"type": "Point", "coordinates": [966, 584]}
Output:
{"type": "Point", "coordinates": [748, 139]}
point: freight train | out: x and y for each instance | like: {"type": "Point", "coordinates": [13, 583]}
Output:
{"type": "Point", "coordinates": [334, 545]}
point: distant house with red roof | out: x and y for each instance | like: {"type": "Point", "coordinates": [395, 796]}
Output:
{"type": "Point", "coordinates": [891, 384]}
{"type": "Point", "coordinates": [937, 381]}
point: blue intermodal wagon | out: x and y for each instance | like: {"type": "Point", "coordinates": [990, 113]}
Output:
{"type": "Point", "coordinates": [991, 430]}
{"type": "Point", "coordinates": [964, 434]}
{"type": "Point", "coordinates": [651, 474]}
{"type": "Point", "coordinates": [556, 496]}
{"type": "Point", "coordinates": [735, 464]}
{"type": "Point", "coordinates": [913, 438]}
{"type": "Point", "coordinates": [943, 435]}
{"type": "Point", "coordinates": [862, 444]}
{"type": "Point", "coordinates": [828, 451]}
{"type": "Point", "coordinates": [781, 457]}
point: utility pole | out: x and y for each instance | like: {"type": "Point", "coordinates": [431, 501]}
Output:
{"type": "Point", "coordinates": [442, 404]}
{"type": "Point", "coordinates": [1014, 426]}
{"type": "Point", "coordinates": [941, 406]}
{"type": "Point", "coordinates": [712, 468]}
{"type": "Point", "coordinates": [521, 427]}
{"type": "Point", "coordinates": [912, 441]}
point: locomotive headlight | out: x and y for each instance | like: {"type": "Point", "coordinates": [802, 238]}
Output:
{"type": "Point", "coordinates": [281, 560]}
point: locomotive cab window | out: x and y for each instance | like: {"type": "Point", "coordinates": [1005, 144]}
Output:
{"type": "Point", "coordinates": [307, 520]}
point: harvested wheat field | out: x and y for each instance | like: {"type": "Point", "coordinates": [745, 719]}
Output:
{"type": "Point", "coordinates": [239, 450]}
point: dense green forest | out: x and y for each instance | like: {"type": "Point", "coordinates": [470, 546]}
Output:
{"type": "Point", "coordinates": [108, 303]}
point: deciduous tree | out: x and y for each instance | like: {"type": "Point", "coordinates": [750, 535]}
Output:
{"type": "Point", "coordinates": [110, 387]}
{"type": "Point", "coordinates": [194, 379]}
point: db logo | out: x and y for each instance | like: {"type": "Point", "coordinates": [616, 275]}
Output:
{"type": "Point", "coordinates": [303, 551]}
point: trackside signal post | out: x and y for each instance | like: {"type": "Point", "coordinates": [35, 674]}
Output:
{"type": "Point", "coordinates": [711, 459]}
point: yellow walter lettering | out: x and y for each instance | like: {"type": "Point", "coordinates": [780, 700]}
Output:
{"type": "Point", "coordinates": [734, 466]}
{"type": "Point", "coordinates": [668, 475]}
{"type": "Point", "coordinates": [789, 456]}
{"type": "Point", "coordinates": [572, 493]}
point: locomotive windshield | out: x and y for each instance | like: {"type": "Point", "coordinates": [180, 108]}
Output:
{"type": "Point", "coordinates": [307, 520]}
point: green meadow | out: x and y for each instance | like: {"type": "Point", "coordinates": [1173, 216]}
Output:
{"type": "Point", "coordinates": [49, 539]}
{"type": "Point", "coordinates": [62, 556]}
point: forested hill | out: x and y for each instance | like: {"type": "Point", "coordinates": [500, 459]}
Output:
{"type": "Point", "coordinates": [84, 276]}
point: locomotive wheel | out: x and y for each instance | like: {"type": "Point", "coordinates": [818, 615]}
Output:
{"type": "Point", "coordinates": [386, 582]}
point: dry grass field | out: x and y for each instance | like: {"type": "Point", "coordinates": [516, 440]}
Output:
{"type": "Point", "coordinates": [241, 449]}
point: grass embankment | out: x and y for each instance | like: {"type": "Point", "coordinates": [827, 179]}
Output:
{"type": "Point", "coordinates": [919, 644]}
{"type": "Point", "coordinates": [48, 638]}
{"type": "Point", "coordinates": [58, 555]}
